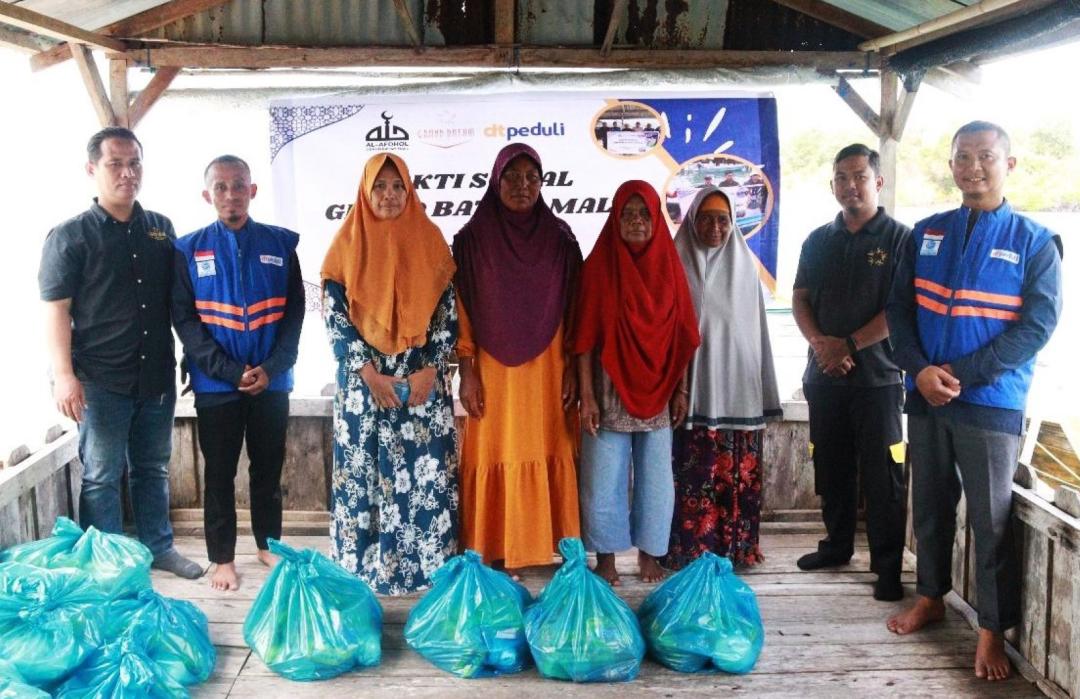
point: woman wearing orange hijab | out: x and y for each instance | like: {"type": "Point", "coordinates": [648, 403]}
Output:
{"type": "Point", "coordinates": [389, 308]}
{"type": "Point", "coordinates": [634, 336]}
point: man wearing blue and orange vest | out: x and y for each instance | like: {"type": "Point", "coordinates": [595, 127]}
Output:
{"type": "Point", "coordinates": [238, 306]}
{"type": "Point", "coordinates": [976, 296]}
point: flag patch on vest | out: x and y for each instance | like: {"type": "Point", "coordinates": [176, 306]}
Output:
{"type": "Point", "coordinates": [271, 260]}
{"type": "Point", "coordinates": [1007, 255]}
{"type": "Point", "coordinates": [931, 243]}
{"type": "Point", "coordinates": [204, 263]}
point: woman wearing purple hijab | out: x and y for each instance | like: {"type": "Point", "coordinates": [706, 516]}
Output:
{"type": "Point", "coordinates": [517, 269]}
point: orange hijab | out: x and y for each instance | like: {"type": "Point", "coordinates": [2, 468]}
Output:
{"type": "Point", "coordinates": [393, 271]}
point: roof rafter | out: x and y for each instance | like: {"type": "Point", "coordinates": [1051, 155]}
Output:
{"type": "Point", "coordinates": [617, 11]}
{"type": "Point", "coordinates": [133, 26]}
{"type": "Point", "coordinates": [49, 26]}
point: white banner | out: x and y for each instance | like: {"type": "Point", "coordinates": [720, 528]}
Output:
{"type": "Point", "coordinates": [589, 144]}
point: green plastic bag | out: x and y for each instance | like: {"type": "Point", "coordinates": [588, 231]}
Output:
{"type": "Point", "coordinates": [50, 621]}
{"type": "Point", "coordinates": [579, 629]}
{"type": "Point", "coordinates": [14, 686]}
{"type": "Point", "coordinates": [703, 619]}
{"type": "Point", "coordinates": [178, 633]}
{"type": "Point", "coordinates": [119, 564]}
{"type": "Point", "coordinates": [472, 621]}
{"type": "Point", "coordinates": [122, 669]}
{"type": "Point", "coordinates": [312, 620]}
{"type": "Point", "coordinates": [42, 552]}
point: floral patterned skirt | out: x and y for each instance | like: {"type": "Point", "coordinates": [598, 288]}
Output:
{"type": "Point", "coordinates": [717, 496]}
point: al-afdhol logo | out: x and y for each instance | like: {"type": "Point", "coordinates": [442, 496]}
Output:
{"type": "Point", "coordinates": [387, 136]}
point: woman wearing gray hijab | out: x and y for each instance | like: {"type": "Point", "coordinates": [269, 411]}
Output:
{"type": "Point", "coordinates": [731, 392]}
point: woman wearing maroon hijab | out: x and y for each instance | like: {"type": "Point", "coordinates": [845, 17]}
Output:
{"type": "Point", "coordinates": [635, 334]}
{"type": "Point", "coordinates": [517, 267]}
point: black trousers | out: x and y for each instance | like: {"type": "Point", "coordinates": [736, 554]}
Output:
{"type": "Point", "coordinates": [263, 420]}
{"type": "Point", "coordinates": [852, 431]}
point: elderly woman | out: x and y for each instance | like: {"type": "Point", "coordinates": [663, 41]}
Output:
{"type": "Point", "coordinates": [635, 334]}
{"type": "Point", "coordinates": [732, 392]}
{"type": "Point", "coordinates": [389, 308]}
{"type": "Point", "coordinates": [517, 267]}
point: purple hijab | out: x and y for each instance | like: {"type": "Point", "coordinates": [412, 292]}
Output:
{"type": "Point", "coordinates": [515, 272]}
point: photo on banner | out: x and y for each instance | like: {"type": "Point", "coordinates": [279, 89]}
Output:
{"type": "Point", "coordinates": [589, 142]}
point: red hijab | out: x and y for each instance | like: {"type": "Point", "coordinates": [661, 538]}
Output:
{"type": "Point", "coordinates": [635, 308]}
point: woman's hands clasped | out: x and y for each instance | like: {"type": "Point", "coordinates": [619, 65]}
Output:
{"type": "Point", "coordinates": [381, 387]}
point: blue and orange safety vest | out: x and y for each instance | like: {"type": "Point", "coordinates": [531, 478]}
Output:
{"type": "Point", "coordinates": [240, 280]}
{"type": "Point", "coordinates": [968, 296]}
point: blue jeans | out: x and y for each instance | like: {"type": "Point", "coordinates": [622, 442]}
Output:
{"type": "Point", "coordinates": [610, 523]}
{"type": "Point", "coordinates": [119, 431]}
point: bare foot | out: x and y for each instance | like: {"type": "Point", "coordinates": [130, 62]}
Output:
{"type": "Point", "coordinates": [926, 610]}
{"type": "Point", "coordinates": [990, 660]}
{"type": "Point", "coordinates": [649, 569]}
{"type": "Point", "coordinates": [266, 558]}
{"type": "Point", "coordinates": [224, 577]}
{"type": "Point", "coordinates": [514, 573]}
{"type": "Point", "coordinates": [605, 568]}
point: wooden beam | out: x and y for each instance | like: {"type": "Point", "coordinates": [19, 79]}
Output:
{"type": "Point", "coordinates": [94, 87]}
{"type": "Point", "coordinates": [132, 27]}
{"type": "Point", "coordinates": [118, 90]}
{"type": "Point", "coordinates": [942, 23]}
{"type": "Point", "coordinates": [18, 40]}
{"type": "Point", "coordinates": [864, 111]}
{"type": "Point", "coordinates": [903, 108]}
{"type": "Point", "coordinates": [151, 93]}
{"type": "Point", "coordinates": [842, 19]}
{"type": "Point", "coordinates": [505, 11]}
{"type": "Point", "coordinates": [47, 26]}
{"type": "Point", "coordinates": [407, 20]}
{"type": "Point", "coordinates": [617, 11]}
{"type": "Point", "coordinates": [254, 57]}
{"type": "Point", "coordinates": [888, 143]}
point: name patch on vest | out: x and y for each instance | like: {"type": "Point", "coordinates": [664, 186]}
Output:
{"type": "Point", "coordinates": [1007, 255]}
{"type": "Point", "coordinates": [931, 244]}
{"type": "Point", "coordinates": [272, 260]}
{"type": "Point", "coordinates": [204, 263]}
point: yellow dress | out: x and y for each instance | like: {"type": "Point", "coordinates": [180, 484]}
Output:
{"type": "Point", "coordinates": [517, 478]}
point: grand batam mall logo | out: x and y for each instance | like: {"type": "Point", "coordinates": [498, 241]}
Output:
{"type": "Point", "coordinates": [387, 136]}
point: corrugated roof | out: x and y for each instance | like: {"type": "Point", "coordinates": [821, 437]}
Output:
{"type": "Point", "coordinates": [900, 14]}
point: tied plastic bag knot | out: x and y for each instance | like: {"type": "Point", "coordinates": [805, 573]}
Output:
{"type": "Point", "coordinates": [471, 622]}
{"type": "Point", "coordinates": [123, 668]}
{"type": "Point", "coordinates": [573, 551]}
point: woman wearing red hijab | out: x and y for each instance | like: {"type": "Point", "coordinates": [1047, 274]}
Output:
{"type": "Point", "coordinates": [635, 334]}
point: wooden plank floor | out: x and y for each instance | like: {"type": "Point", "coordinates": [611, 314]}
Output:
{"type": "Point", "coordinates": [825, 636]}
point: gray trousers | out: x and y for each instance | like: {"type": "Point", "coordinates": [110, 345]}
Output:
{"type": "Point", "coordinates": [945, 457]}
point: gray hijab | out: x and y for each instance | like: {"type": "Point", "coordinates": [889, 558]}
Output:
{"type": "Point", "coordinates": [732, 379]}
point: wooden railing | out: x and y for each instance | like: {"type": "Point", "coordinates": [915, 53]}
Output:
{"type": "Point", "coordinates": [37, 488]}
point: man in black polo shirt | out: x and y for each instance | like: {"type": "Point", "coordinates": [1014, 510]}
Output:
{"type": "Point", "coordinates": [852, 385]}
{"type": "Point", "coordinates": [105, 278]}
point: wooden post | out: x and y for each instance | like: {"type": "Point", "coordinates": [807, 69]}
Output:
{"type": "Point", "coordinates": [118, 91]}
{"type": "Point", "coordinates": [887, 139]}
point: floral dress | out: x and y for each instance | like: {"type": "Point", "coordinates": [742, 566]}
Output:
{"type": "Point", "coordinates": [393, 517]}
{"type": "Point", "coordinates": [717, 496]}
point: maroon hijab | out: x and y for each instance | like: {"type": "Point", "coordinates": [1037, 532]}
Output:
{"type": "Point", "coordinates": [516, 272]}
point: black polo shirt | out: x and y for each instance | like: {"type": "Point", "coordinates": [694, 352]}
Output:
{"type": "Point", "coordinates": [849, 276]}
{"type": "Point", "coordinates": [118, 276]}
